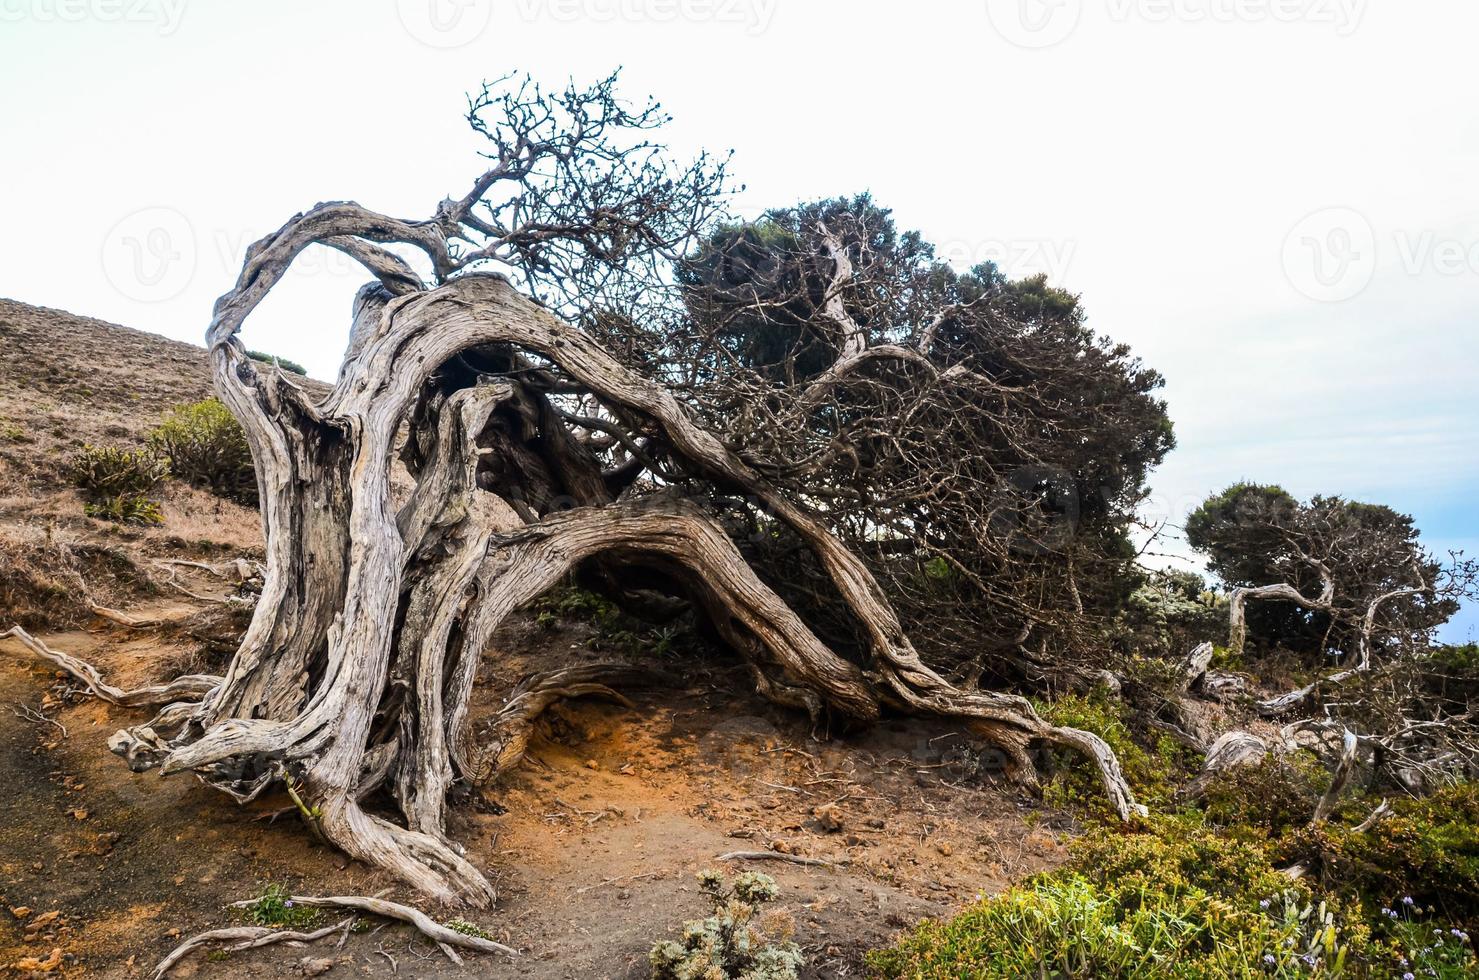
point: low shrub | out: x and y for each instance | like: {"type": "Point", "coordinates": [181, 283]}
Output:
{"type": "Point", "coordinates": [735, 942]}
{"type": "Point", "coordinates": [1180, 897]}
{"type": "Point", "coordinates": [290, 366]}
{"type": "Point", "coordinates": [1275, 795]}
{"type": "Point", "coordinates": [1427, 850]}
{"type": "Point", "coordinates": [275, 907]}
{"type": "Point", "coordinates": [1173, 898]}
{"type": "Point", "coordinates": [125, 509]}
{"type": "Point", "coordinates": [114, 471]}
{"type": "Point", "coordinates": [207, 448]}
{"type": "Point", "coordinates": [1151, 771]}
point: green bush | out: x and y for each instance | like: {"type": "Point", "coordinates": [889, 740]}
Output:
{"type": "Point", "coordinates": [1275, 795]}
{"type": "Point", "coordinates": [1150, 771]}
{"type": "Point", "coordinates": [113, 471]}
{"type": "Point", "coordinates": [125, 509]}
{"type": "Point", "coordinates": [282, 362]}
{"type": "Point", "coordinates": [1427, 850]}
{"type": "Point", "coordinates": [275, 908]}
{"type": "Point", "coordinates": [733, 943]}
{"type": "Point", "coordinates": [1174, 898]}
{"type": "Point", "coordinates": [206, 447]}
{"type": "Point", "coordinates": [118, 483]}
{"type": "Point", "coordinates": [1065, 926]}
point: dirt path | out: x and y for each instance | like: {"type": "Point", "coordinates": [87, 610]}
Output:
{"type": "Point", "coordinates": [593, 852]}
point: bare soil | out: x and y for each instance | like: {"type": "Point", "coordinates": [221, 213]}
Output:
{"type": "Point", "coordinates": [593, 843]}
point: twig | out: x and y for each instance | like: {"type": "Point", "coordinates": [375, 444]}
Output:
{"type": "Point", "coordinates": [28, 713]}
{"type": "Point", "coordinates": [776, 856]}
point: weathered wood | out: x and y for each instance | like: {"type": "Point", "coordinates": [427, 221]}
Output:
{"type": "Point", "coordinates": [356, 669]}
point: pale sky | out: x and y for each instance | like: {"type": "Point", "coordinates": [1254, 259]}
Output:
{"type": "Point", "coordinates": [1274, 202]}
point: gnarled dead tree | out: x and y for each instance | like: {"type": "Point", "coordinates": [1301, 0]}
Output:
{"type": "Point", "coordinates": [530, 449]}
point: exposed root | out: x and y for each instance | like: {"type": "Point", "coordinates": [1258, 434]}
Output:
{"type": "Point", "coordinates": [1345, 768]}
{"type": "Point", "coordinates": [247, 937]}
{"type": "Point", "coordinates": [776, 856]}
{"type": "Point", "coordinates": [443, 936]}
{"type": "Point", "coordinates": [196, 685]}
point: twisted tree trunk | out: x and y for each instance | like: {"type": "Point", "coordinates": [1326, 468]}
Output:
{"type": "Point", "coordinates": [356, 670]}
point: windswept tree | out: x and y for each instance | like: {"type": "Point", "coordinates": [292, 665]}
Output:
{"type": "Point", "coordinates": [555, 374]}
{"type": "Point", "coordinates": [1345, 582]}
{"type": "Point", "coordinates": [965, 434]}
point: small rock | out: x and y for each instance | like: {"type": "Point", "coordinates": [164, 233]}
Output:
{"type": "Point", "coordinates": [944, 848]}
{"type": "Point", "coordinates": [20, 911]}
{"type": "Point", "coordinates": [312, 966]}
{"type": "Point", "coordinates": [34, 964]}
{"type": "Point", "coordinates": [592, 764]}
{"type": "Point", "coordinates": [829, 818]}
{"type": "Point", "coordinates": [877, 823]}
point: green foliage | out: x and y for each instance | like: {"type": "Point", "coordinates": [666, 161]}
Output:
{"type": "Point", "coordinates": [1261, 535]}
{"type": "Point", "coordinates": [612, 628]}
{"type": "Point", "coordinates": [1457, 658]}
{"type": "Point", "coordinates": [461, 925]}
{"type": "Point", "coordinates": [206, 447]}
{"type": "Point", "coordinates": [1274, 795]}
{"type": "Point", "coordinates": [1427, 850]}
{"type": "Point", "coordinates": [118, 482]}
{"type": "Point", "coordinates": [275, 908]}
{"type": "Point", "coordinates": [112, 471]}
{"type": "Point", "coordinates": [125, 509]}
{"type": "Point", "coordinates": [291, 366]}
{"type": "Point", "coordinates": [1169, 613]}
{"type": "Point", "coordinates": [1173, 898]}
{"type": "Point", "coordinates": [1151, 771]}
{"type": "Point", "coordinates": [1065, 926]}
{"type": "Point", "coordinates": [733, 943]}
